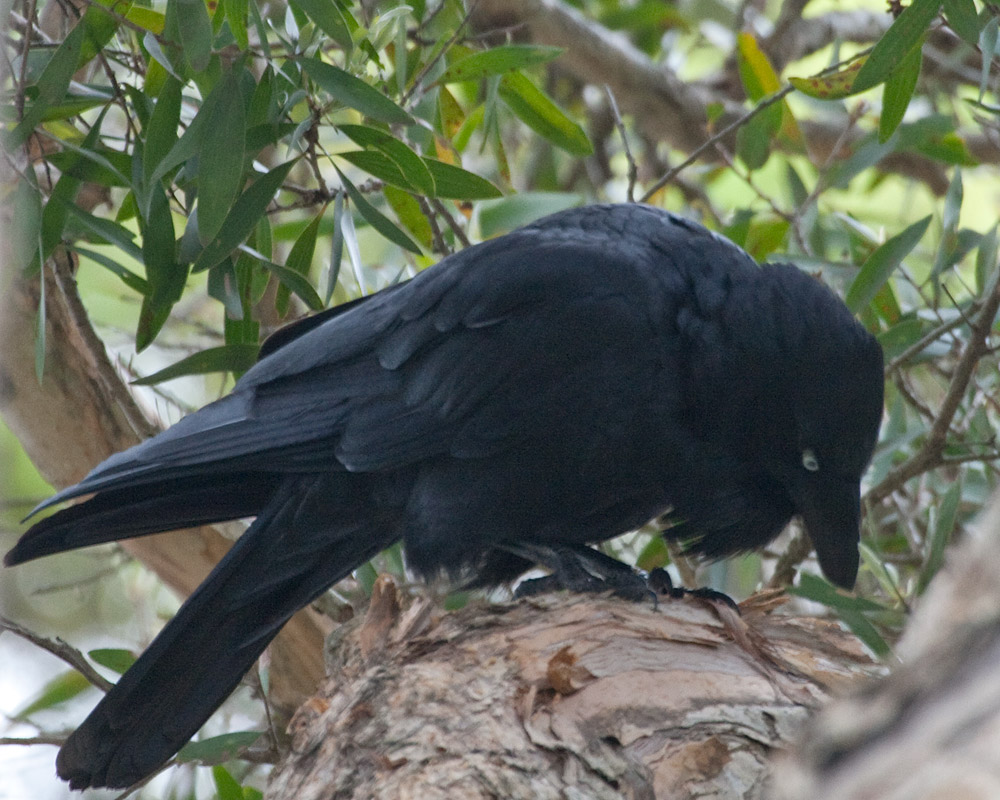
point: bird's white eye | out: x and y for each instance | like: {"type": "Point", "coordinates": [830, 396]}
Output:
{"type": "Point", "coordinates": [809, 460]}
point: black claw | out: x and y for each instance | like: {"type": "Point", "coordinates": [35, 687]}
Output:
{"type": "Point", "coordinates": [659, 582]}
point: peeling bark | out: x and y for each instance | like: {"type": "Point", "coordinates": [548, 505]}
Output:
{"type": "Point", "coordinates": [561, 697]}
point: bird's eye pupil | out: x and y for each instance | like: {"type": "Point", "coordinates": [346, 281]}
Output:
{"type": "Point", "coordinates": [809, 460]}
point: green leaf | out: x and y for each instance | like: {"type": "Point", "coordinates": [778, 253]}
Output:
{"type": "Point", "coordinates": [379, 165]}
{"type": "Point", "coordinates": [226, 358]}
{"type": "Point", "coordinates": [758, 76]}
{"type": "Point", "coordinates": [328, 18]}
{"type": "Point", "coordinates": [226, 786]}
{"type": "Point", "coordinates": [195, 29]}
{"type": "Point", "coordinates": [881, 263]}
{"type": "Point", "coordinates": [497, 61]}
{"type": "Point", "coordinates": [898, 91]}
{"type": "Point", "coordinates": [408, 212]}
{"type": "Point", "coordinates": [51, 86]}
{"type": "Point", "coordinates": [220, 163]}
{"type": "Point", "coordinates": [217, 749]}
{"type": "Point", "coordinates": [988, 47]}
{"type": "Point", "coordinates": [456, 183]}
{"type": "Point", "coordinates": [537, 110]}
{"type": "Point", "coordinates": [100, 26]}
{"type": "Point", "coordinates": [986, 260]}
{"type": "Point", "coordinates": [128, 277]}
{"type": "Point", "coordinates": [355, 93]}
{"type": "Point", "coordinates": [114, 659]}
{"type": "Point", "coordinates": [833, 86]}
{"type": "Point", "coordinates": [236, 16]}
{"type": "Point", "coordinates": [945, 255]}
{"type": "Point", "coordinates": [944, 514]}
{"type": "Point", "coordinates": [377, 219]}
{"type": "Point", "coordinates": [337, 244]}
{"type": "Point", "coordinates": [161, 130]}
{"type": "Point", "coordinates": [107, 230]}
{"type": "Point", "coordinates": [243, 217]}
{"type": "Point", "coordinates": [963, 19]}
{"type": "Point", "coordinates": [299, 260]}
{"type": "Point", "coordinates": [409, 163]}
{"type": "Point", "coordinates": [290, 278]}
{"type": "Point", "coordinates": [166, 276]}
{"type": "Point", "coordinates": [905, 33]}
{"type": "Point", "coordinates": [63, 687]}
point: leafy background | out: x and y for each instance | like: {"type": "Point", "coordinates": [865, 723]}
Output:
{"type": "Point", "coordinates": [217, 169]}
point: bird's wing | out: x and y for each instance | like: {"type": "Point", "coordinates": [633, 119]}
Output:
{"type": "Point", "coordinates": [494, 343]}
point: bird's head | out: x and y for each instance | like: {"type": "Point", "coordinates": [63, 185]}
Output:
{"type": "Point", "coordinates": [834, 398]}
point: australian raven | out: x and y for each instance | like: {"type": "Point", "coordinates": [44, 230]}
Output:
{"type": "Point", "coordinates": [521, 399]}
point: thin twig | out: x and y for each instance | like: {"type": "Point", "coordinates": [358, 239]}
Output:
{"type": "Point", "coordinates": [767, 102]}
{"type": "Point", "coordinates": [60, 650]}
{"type": "Point", "coordinates": [930, 455]}
{"type": "Point", "coordinates": [633, 170]}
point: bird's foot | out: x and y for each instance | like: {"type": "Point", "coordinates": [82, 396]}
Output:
{"type": "Point", "coordinates": [660, 584]}
{"type": "Point", "coordinates": [581, 569]}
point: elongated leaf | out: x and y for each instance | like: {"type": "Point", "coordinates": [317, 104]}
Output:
{"type": "Point", "coordinates": [903, 35]}
{"type": "Point", "coordinates": [409, 163]}
{"type": "Point", "coordinates": [456, 183]}
{"type": "Point", "coordinates": [834, 86]}
{"type": "Point", "coordinates": [354, 92]}
{"type": "Point", "coordinates": [898, 91]}
{"type": "Point", "coordinates": [51, 86]}
{"type": "Point", "coordinates": [63, 687]}
{"type": "Point", "coordinates": [963, 19]}
{"type": "Point", "coordinates": [409, 213]}
{"type": "Point", "coordinates": [195, 29]}
{"type": "Point", "coordinates": [243, 217]}
{"type": "Point", "coordinates": [218, 748]}
{"type": "Point", "coordinates": [100, 26]}
{"type": "Point", "coordinates": [226, 786]}
{"type": "Point", "coordinates": [227, 358]}
{"type": "Point", "coordinates": [881, 263]}
{"type": "Point", "coordinates": [328, 18]}
{"type": "Point", "coordinates": [758, 76]}
{"type": "Point", "coordinates": [220, 165]}
{"type": "Point", "coordinates": [299, 260]}
{"type": "Point", "coordinates": [988, 46]}
{"type": "Point", "coordinates": [537, 110]}
{"type": "Point", "coordinates": [377, 219]}
{"type": "Point", "coordinates": [128, 277]}
{"type": "Point", "coordinates": [107, 230]}
{"type": "Point", "coordinates": [161, 130]}
{"type": "Point", "coordinates": [506, 58]}
{"type": "Point", "coordinates": [236, 16]}
{"type": "Point", "coordinates": [379, 165]}
{"type": "Point", "coordinates": [113, 658]}
{"type": "Point", "coordinates": [945, 513]}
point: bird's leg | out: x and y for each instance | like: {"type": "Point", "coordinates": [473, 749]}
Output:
{"type": "Point", "coordinates": [580, 569]}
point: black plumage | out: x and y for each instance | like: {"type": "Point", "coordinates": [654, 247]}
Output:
{"type": "Point", "coordinates": [548, 389]}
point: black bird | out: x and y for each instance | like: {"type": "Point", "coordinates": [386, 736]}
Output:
{"type": "Point", "coordinates": [548, 389]}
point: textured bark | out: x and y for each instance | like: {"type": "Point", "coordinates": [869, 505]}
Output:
{"type": "Point", "coordinates": [561, 697]}
{"type": "Point", "coordinates": [931, 730]}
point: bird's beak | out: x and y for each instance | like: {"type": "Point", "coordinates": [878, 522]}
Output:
{"type": "Point", "coordinates": [832, 516]}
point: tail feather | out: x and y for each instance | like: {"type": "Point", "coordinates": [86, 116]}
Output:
{"type": "Point", "coordinates": [139, 510]}
{"type": "Point", "coordinates": [298, 546]}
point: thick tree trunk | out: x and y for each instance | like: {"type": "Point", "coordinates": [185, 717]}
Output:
{"type": "Point", "coordinates": [560, 697]}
